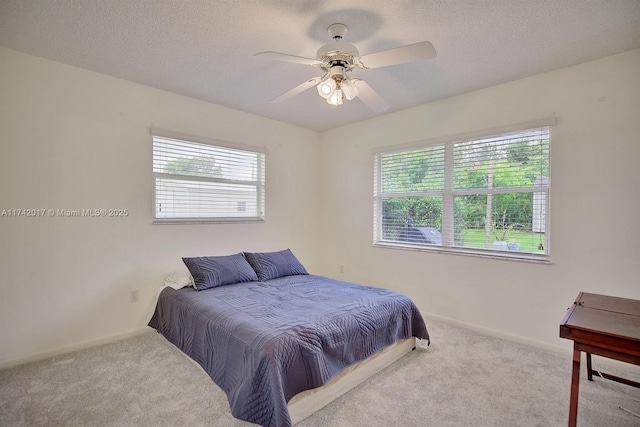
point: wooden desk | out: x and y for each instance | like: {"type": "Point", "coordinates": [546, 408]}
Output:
{"type": "Point", "coordinates": [602, 325]}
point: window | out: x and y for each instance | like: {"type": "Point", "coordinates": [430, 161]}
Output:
{"type": "Point", "coordinates": [486, 195]}
{"type": "Point", "coordinates": [202, 181]}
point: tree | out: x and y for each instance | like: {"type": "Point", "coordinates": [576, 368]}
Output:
{"type": "Point", "coordinates": [194, 166]}
{"type": "Point", "coordinates": [421, 211]}
{"type": "Point", "coordinates": [499, 163]}
{"type": "Point", "coordinates": [420, 170]}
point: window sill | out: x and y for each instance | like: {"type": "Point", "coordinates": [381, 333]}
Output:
{"type": "Point", "coordinates": [174, 221]}
{"type": "Point", "coordinates": [499, 255]}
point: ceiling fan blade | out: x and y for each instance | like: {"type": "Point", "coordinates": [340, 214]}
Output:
{"type": "Point", "coordinates": [399, 55]}
{"type": "Point", "coordinates": [298, 89]}
{"type": "Point", "coordinates": [288, 58]}
{"type": "Point", "coordinates": [371, 98]}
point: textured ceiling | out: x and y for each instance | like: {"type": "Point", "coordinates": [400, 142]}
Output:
{"type": "Point", "coordinates": [204, 48]}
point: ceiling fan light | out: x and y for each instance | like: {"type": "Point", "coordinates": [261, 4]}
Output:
{"type": "Point", "coordinates": [349, 89]}
{"type": "Point", "coordinates": [335, 98]}
{"type": "Point", "coordinates": [326, 88]}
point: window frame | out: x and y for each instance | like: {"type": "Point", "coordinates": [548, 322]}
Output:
{"type": "Point", "coordinates": [260, 182]}
{"type": "Point", "coordinates": [449, 193]}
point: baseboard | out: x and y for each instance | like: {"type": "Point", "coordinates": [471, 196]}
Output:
{"type": "Point", "coordinates": [500, 334]}
{"type": "Point", "coordinates": [564, 351]}
{"type": "Point", "coordinates": [34, 357]}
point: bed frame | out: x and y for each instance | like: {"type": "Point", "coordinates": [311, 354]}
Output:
{"type": "Point", "coordinates": [304, 404]}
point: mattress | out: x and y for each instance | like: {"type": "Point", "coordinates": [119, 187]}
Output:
{"type": "Point", "coordinates": [265, 342]}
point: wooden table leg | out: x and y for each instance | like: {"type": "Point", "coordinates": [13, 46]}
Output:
{"type": "Point", "coordinates": [589, 369]}
{"type": "Point", "coordinates": [575, 382]}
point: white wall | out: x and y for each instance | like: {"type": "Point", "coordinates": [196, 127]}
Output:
{"type": "Point", "coordinates": [595, 203]}
{"type": "Point", "coordinates": [73, 139]}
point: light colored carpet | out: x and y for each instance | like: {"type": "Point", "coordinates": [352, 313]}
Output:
{"type": "Point", "coordinates": [463, 379]}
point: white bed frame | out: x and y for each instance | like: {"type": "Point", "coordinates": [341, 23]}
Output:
{"type": "Point", "coordinates": [304, 404]}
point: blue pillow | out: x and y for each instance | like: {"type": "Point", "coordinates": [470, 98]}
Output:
{"type": "Point", "coordinates": [271, 265]}
{"type": "Point", "coordinates": [212, 271]}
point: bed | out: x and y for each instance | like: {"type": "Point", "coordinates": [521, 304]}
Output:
{"type": "Point", "coordinates": [269, 338]}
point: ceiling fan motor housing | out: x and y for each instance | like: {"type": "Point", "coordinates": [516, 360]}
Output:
{"type": "Point", "coordinates": [332, 53]}
{"type": "Point", "coordinates": [337, 72]}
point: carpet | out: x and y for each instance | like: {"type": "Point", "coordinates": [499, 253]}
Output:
{"type": "Point", "coordinates": [464, 378]}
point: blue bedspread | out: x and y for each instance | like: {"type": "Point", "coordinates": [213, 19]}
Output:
{"type": "Point", "coordinates": [265, 342]}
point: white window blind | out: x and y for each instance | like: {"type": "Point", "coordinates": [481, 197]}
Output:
{"type": "Point", "coordinates": [196, 181]}
{"type": "Point", "coordinates": [483, 195]}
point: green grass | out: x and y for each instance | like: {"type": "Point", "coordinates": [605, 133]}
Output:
{"type": "Point", "coordinates": [474, 238]}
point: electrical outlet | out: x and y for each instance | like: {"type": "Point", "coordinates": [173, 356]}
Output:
{"type": "Point", "coordinates": [133, 295]}
{"type": "Point", "coordinates": [342, 269]}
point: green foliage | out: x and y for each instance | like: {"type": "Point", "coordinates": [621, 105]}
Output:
{"type": "Point", "coordinates": [513, 209]}
{"type": "Point", "coordinates": [471, 178]}
{"type": "Point", "coordinates": [420, 170]}
{"type": "Point", "coordinates": [502, 165]}
{"type": "Point", "coordinates": [196, 165]}
{"type": "Point", "coordinates": [531, 159]}
{"type": "Point", "coordinates": [470, 212]}
{"type": "Point", "coordinates": [422, 211]}
{"type": "Point", "coordinates": [529, 242]}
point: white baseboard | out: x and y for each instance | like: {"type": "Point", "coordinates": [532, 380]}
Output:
{"type": "Point", "coordinates": [34, 357]}
{"type": "Point", "coordinates": [500, 334]}
{"type": "Point", "coordinates": [565, 351]}
{"type": "Point", "coordinates": [598, 361]}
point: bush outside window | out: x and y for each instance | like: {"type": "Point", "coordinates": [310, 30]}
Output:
{"type": "Point", "coordinates": [485, 195]}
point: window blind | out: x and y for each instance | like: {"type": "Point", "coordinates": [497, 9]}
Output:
{"type": "Point", "coordinates": [196, 181]}
{"type": "Point", "coordinates": [486, 195]}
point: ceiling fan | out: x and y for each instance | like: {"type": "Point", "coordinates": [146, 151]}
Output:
{"type": "Point", "coordinates": [338, 58]}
